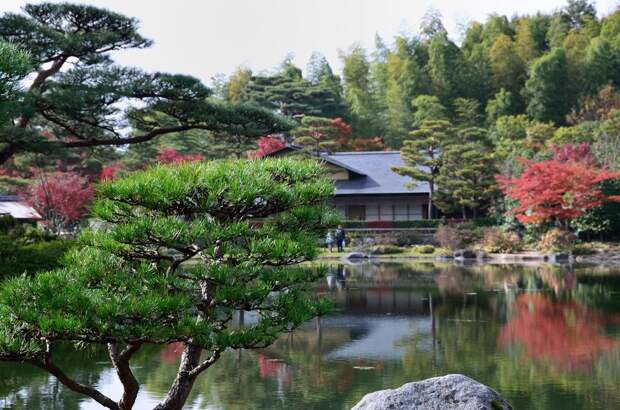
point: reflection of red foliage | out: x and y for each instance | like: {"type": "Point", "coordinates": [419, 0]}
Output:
{"type": "Point", "coordinates": [568, 335]}
{"type": "Point", "coordinates": [272, 369]}
{"type": "Point", "coordinates": [344, 381]}
{"type": "Point", "coordinates": [172, 156]}
{"type": "Point", "coordinates": [172, 352]}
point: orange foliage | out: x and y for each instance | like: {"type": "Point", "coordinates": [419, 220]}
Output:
{"type": "Point", "coordinates": [367, 144]}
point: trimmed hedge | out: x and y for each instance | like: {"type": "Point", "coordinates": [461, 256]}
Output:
{"type": "Point", "coordinates": [16, 259]}
{"type": "Point", "coordinates": [419, 223]}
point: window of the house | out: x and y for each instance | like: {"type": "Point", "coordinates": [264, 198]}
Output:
{"type": "Point", "coordinates": [355, 212]}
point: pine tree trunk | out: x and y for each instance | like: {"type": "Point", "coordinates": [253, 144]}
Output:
{"type": "Point", "coordinates": [183, 383]}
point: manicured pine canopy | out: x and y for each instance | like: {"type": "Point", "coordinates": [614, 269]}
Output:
{"type": "Point", "coordinates": [180, 250]}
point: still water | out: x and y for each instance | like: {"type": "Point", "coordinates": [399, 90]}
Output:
{"type": "Point", "coordinates": [545, 337]}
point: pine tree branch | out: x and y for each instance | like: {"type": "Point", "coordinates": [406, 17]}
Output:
{"type": "Point", "coordinates": [205, 364]}
{"type": "Point", "coordinates": [120, 360]}
{"type": "Point", "coordinates": [46, 364]}
{"type": "Point", "coordinates": [131, 140]}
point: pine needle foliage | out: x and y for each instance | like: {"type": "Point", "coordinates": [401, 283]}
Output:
{"type": "Point", "coordinates": [182, 249]}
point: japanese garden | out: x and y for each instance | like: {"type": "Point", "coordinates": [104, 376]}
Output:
{"type": "Point", "coordinates": [427, 220]}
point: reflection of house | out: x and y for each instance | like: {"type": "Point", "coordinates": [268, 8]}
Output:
{"type": "Point", "coordinates": [19, 210]}
{"type": "Point", "coordinates": [367, 189]}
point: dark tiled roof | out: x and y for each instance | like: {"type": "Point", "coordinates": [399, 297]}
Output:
{"type": "Point", "coordinates": [371, 173]}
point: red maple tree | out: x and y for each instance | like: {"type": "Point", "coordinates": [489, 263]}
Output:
{"type": "Point", "coordinates": [266, 145]}
{"type": "Point", "coordinates": [560, 189]}
{"type": "Point", "coordinates": [172, 156]}
{"type": "Point", "coordinates": [108, 173]}
{"type": "Point", "coordinates": [62, 198]}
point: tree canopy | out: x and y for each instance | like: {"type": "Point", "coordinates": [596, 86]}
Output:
{"type": "Point", "coordinates": [86, 100]}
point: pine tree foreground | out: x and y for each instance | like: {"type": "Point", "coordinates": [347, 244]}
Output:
{"type": "Point", "coordinates": [182, 249]}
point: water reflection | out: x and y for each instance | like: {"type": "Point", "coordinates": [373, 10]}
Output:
{"type": "Point", "coordinates": [567, 335]}
{"type": "Point", "coordinates": [546, 336]}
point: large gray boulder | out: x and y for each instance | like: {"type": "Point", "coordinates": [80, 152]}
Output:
{"type": "Point", "coordinates": [453, 391]}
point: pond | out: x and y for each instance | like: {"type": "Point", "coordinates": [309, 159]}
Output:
{"type": "Point", "coordinates": [545, 337]}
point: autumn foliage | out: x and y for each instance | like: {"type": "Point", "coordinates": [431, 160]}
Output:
{"type": "Point", "coordinates": [110, 172]}
{"type": "Point", "coordinates": [62, 198]}
{"type": "Point", "coordinates": [367, 144]}
{"type": "Point", "coordinates": [172, 156]}
{"type": "Point", "coordinates": [559, 189]}
{"type": "Point", "coordinates": [266, 145]}
{"type": "Point", "coordinates": [342, 128]}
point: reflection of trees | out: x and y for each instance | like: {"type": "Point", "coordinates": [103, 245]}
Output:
{"type": "Point", "coordinates": [293, 373]}
{"type": "Point", "coordinates": [468, 343]}
{"type": "Point", "coordinates": [566, 334]}
{"type": "Point", "coordinates": [558, 278]}
{"type": "Point", "coordinates": [27, 387]}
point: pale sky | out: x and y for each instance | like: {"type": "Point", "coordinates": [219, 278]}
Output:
{"type": "Point", "coordinates": [205, 37]}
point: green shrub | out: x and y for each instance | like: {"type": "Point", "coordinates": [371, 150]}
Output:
{"type": "Point", "coordinates": [355, 224]}
{"type": "Point", "coordinates": [584, 249]}
{"type": "Point", "coordinates": [16, 258]}
{"type": "Point", "coordinates": [484, 222]}
{"type": "Point", "coordinates": [407, 238]}
{"type": "Point", "coordinates": [423, 249]}
{"type": "Point", "coordinates": [419, 223]}
{"type": "Point", "coordinates": [7, 224]}
{"type": "Point", "coordinates": [385, 250]}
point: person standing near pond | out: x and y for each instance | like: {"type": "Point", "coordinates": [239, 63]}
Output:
{"type": "Point", "coordinates": [329, 240]}
{"type": "Point", "coordinates": [341, 237]}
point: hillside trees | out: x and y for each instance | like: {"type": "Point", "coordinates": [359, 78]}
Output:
{"type": "Point", "coordinates": [355, 76]}
{"type": "Point", "coordinates": [545, 89]}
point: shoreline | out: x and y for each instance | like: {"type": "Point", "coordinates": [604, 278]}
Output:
{"type": "Point", "coordinates": [523, 258]}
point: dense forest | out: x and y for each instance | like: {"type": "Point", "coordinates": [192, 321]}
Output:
{"type": "Point", "coordinates": [542, 66]}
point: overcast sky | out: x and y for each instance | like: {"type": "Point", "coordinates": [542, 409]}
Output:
{"type": "Point", "coordinates": [205, 37]}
